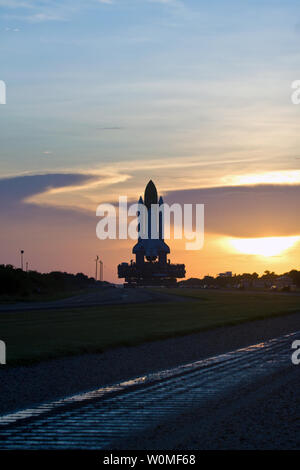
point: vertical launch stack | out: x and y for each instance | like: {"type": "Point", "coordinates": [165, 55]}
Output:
{"type": "Point", "coordinates": [151, 266]}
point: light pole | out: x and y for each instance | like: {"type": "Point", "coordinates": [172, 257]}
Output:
{"type": "Point", "coordinates": [22, 253]}
{"type": "Point", "coordinates": [96, 267]}
{"type": "Point", "coordinates": [101, 270]}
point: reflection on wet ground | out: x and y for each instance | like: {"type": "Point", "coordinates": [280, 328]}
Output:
{"type": "Point", "coordinates": [99, 418]}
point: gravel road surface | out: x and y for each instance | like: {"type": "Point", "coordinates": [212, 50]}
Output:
{"type": "Point", "coordinates": [28, 385]}
{"type": "Point", "coordinates": [244, 399]}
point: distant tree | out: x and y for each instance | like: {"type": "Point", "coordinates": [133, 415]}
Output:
{"type": "Point", "coordinates": [295, 276]}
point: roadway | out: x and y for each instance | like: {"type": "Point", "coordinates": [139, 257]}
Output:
{"type": "Point", "coordinates": [95, 298]}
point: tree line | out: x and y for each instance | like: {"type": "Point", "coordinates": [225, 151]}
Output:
{"type": "Point", "coordinates": [15, 281]}
{"type": "Point", "coordinates": [247, 280]}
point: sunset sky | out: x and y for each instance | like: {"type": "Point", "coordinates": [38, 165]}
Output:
{"type": "Point", "coordinates": [104, 95]}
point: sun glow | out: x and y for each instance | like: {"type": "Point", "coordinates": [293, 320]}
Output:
{"type": "Point", "coordinates": [267, 246]}
{"type": "Point", "coordinates": [271, 177]}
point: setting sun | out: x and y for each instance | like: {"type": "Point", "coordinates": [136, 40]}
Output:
{"type": "Point", "coordinates": [267, 246]}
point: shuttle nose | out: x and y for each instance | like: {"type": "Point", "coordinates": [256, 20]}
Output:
{"type": "Point", "coordinates": [150, 196]}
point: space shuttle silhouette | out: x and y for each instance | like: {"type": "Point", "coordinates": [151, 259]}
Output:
{"type": "Point", "coordinates": [151, 247]}
{"type": "Point", "coordinates": [151, 266]}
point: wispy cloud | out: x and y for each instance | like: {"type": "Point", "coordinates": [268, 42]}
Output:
{"type": "Point", "coordinates": [245, 211]}
{"type": "Point", "coordinates": [58, 10]}
{"type": "Point", "coordinates": [15, 4]}
{"type": "Point", "coordinates": [41, 17]}
{"type": "Point", "coordinates": [169, 2]}
{"type": "Point", "coordinates": [112, 128]}
{"type": "Point", "coordinates": [41, 11]}
{"type": "Point", "coordinates": [14, 30]}
{"type": "Point", "coordinates": [174, 3]}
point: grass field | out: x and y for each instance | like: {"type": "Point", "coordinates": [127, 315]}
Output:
{"type": "Point", "coordinates": [37, 335]}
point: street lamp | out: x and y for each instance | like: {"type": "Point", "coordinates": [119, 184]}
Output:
{"type": "Point", "coordinates": [96, 267]}
{"type": "Point", "coordinates": [22, 253]}
{"type": "Point", "coordinates": [101, 270]}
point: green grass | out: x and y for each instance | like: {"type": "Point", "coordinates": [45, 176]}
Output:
{"type": "Point", "coordinates": [37, 335]}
